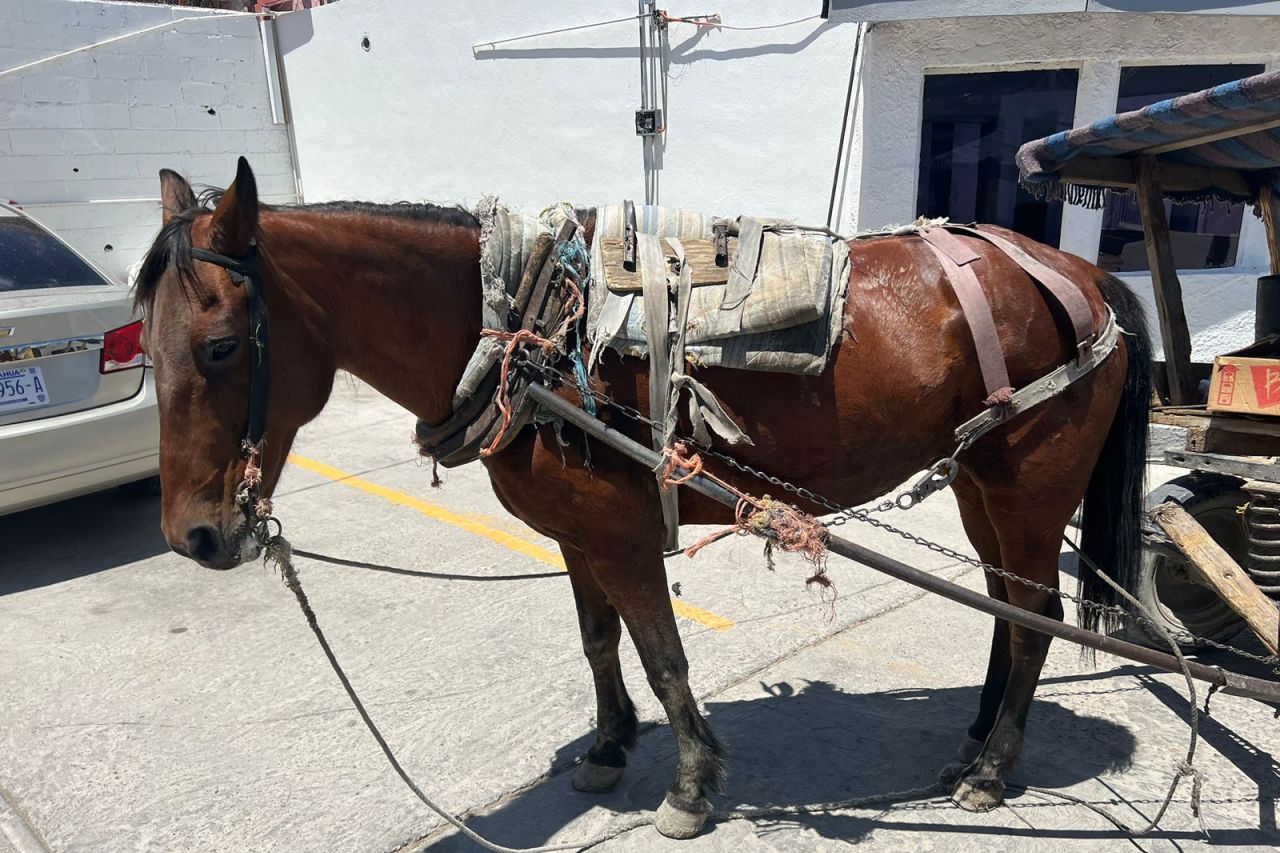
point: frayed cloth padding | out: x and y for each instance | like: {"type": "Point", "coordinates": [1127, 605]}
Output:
{"type": "Point", "coordinates": [788, 321]}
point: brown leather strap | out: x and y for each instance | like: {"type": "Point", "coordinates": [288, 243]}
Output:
{"type": "Point", "coordinates": [957, 262]}
{"type": "Point", "coordinates": [536, 313]}
{"type": "Point", "coordinates": [1063, 290]}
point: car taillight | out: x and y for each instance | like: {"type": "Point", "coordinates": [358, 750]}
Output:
{"type": "Point", "coordinates": [122, 349]}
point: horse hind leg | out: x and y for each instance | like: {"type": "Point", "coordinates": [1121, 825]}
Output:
{"type": "Point", "coordinates": [615, 714]}
{"type": "Point", "coordinates": [982, 536]}
{"type": "Point", "coordinates": [1033, 554]}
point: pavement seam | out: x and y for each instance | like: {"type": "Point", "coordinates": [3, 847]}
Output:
{"type": "Point", "coordinates": [17, 827]}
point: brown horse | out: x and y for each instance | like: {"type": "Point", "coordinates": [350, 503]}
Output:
{"type": "Point", "coordinates": [391, 293]}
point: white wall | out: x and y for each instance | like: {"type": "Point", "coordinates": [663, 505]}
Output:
{"type": "Point", "coordinates": [753, 117]}
{"type": "Point", "coordinates": [83, 138]}
{"type": "Point", "coordinates": [1219, 303]}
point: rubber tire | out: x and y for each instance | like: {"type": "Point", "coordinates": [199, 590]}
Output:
{"type": "Point", "coordinates": [1182, 606]}
{"type": "Point", "coordinates": [146, 488]}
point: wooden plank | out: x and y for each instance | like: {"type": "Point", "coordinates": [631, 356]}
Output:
{"type": "Point", "coordinates": [699, 254]}
{"type": "Point", "coordinates": [1223, 421]}
{"type": "Point", "coordinates": [1270, 207]}
{"type": "Point", "coordinates": [1223, 433]}
{"type": "Point", "coordinates": [1122, 173]}
{"type": "Point", "coordinates": [1215, 568]}
{"type": "Point", "coordinates": [1164, 279]}
{"type": "Point", "coordinates": [1214, 136]}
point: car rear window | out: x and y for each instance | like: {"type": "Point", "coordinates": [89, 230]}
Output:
{"type": "Point", "coordinates": [32, 259]}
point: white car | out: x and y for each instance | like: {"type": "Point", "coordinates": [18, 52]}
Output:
{"type": "Point", "coordinates": [77, 400]}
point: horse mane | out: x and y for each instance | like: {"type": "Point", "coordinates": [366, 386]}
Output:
{"type": "Point", "coordinates": [171, 248]}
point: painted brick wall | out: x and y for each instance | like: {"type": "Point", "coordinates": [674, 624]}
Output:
{"type": "Point", "coordinates": [82, 138]}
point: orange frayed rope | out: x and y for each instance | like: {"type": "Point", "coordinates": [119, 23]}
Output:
{"type": "Point", "coordinates": [514, 341]}
{"type": "Point", "coordinates": [778, 523]}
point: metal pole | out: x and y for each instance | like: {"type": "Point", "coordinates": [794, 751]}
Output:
{"type": "Point", "coordinates": [1228, 682]}
{"type": "Point", "coordinates": [858, 37]}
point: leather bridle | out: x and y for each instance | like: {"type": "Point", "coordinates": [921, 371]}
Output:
{"type": "Point", "coordinates": [246, 271]}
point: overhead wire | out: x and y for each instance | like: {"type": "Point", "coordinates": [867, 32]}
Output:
{"type": "Point", "coordinates": [123, 36]}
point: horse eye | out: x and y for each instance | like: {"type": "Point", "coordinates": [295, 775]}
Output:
{"type": "Point", "coordinates": [222, 349]}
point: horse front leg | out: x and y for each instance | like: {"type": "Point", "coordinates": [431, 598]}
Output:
{"type": "Point", "coordinates": [635, 581]}
{"type": "Point", "coordinates": [615, 714]}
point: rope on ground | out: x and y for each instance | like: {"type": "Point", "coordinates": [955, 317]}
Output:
{"type": "Point", "coordinates": [279, 554]}
{"type": "Point", "coordinates": [727, 815]}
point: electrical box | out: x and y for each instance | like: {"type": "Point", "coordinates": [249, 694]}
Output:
{"type": "Point", "coordinates": [648, 122]}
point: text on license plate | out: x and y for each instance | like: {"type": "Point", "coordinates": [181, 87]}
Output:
{"type": "Point", "coordinates": [22, 387]}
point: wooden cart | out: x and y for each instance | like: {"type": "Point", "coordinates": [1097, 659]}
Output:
{"type": "Point", "coordinates": [1212, 560]}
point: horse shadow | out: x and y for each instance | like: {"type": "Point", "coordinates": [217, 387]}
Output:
{"type": "Point", "coordinates": [811, 742]}
{"type": "Point", "coordinates": [78, 537]}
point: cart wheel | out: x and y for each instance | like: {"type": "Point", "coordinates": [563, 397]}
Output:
{"type": "Point", "coordinates": [1179, 604]}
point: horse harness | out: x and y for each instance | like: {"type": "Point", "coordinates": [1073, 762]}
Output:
{"type": "Point", "coordinates": [541, 306]}
{"type": "Point", "coordinates": [1003, 402]}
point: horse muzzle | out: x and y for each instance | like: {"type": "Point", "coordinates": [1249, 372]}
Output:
{"type": "Point", "coordinates": [211, 548]}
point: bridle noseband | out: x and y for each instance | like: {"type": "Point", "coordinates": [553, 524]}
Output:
{"type": "Point", "coordinates": [246, 270]}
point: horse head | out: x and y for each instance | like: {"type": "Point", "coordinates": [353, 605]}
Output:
{"type": "Point", "coordinates": [204, 340]}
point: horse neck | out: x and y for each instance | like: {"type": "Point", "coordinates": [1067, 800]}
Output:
{"type": "Point", "coordinates": [395, 301]}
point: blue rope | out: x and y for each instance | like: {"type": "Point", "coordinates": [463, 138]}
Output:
{"type": "Point", "coordinates": [573, 253]}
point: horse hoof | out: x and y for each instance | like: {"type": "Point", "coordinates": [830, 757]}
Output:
{"type": "Point", "coordinates": [675, 822]}
{"type": "Point", "coordinates": [596, 778]}
{"type": "Point", "coordinates": [978, 795]}
{"type": "Point", "coordinates": [950, 773]}
{"type": "Point", "coordinates": [969, 749]}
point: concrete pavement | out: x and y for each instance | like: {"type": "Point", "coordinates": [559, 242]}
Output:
{"type": "Point", "coordinates": [153, 705]}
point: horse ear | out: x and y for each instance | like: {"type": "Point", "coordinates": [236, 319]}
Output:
{"type": "Point", "coordinates": [235, 219]}
{"type": "Point", "coordinates": [175, 194]}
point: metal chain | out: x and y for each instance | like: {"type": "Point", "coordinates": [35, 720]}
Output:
{"type": "Point", "coordinates": [844, 514]}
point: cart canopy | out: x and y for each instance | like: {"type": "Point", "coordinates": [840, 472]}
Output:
{"type": "Point", "coordinates": [1216, 144]}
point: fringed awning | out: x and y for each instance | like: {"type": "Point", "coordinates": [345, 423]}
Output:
{"type": "Point", "coordinates": [1217, 144]}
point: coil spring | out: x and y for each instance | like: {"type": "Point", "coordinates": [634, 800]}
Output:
{"type": "Point", "coordinates": [1262, 518]}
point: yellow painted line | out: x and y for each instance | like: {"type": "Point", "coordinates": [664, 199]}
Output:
{"type": "Point", "coordinates": [434, 511]}
{"type": "Point", "coordinates": [703, 617]}
{"type": "Point", "coordinates": [468, 523]}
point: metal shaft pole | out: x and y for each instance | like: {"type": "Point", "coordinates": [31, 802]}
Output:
{"type": "Point", "coordinates": [1228, 682]}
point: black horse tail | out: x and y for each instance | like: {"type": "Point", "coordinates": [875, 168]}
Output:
{"type": "Point", "coordinates": [1111, 519]}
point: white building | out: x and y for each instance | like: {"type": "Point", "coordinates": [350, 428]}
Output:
{"type": "Point", "coordinates": [422, 99]}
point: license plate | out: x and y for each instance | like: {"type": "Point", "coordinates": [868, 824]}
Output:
{"type": "Point", "coordinates": [22, 388]}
